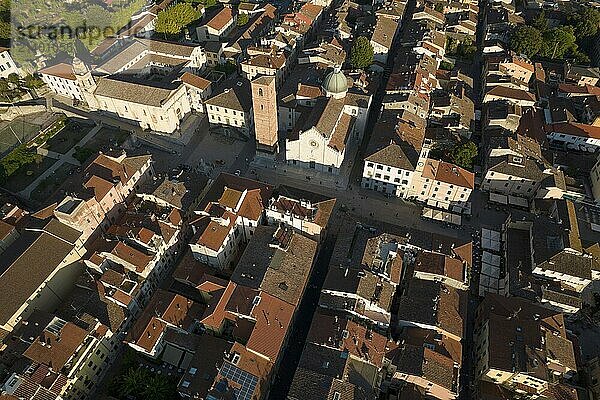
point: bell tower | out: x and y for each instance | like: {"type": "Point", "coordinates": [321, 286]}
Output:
{"type": "Point", "coordinates": [264, 106]}
{"type": "Point", "coordinates": [86, 82]}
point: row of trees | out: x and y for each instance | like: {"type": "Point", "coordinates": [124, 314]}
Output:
{"type": "Point", "coordinates": [561, 42]}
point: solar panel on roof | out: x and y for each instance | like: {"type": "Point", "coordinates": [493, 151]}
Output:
{"type": "Point", "coordinates": [246, 380]}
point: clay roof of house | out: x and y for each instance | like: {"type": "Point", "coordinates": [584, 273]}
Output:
{"type": "Point", "coordinates": [138, 93]}
{"type": "Point", "coordinates": [212, 233]}
{"type": "Point", "coordinates": [273, 317]}
{"type": "Point", "coordinates": [164, 309]}
{"type": "Point", "coordinates": [435, 304]}
{"type": "Point", "coordinates": [220, 19]}
{"type": "Point", "coordinates": [536, 332]}
{"type": "Point", "coordinates": [235, 96]}
{"type": "Point", "coordinates": [424, 355]}
{"type": "Point", "coordinates": [346, 335]}
{"type": "Point", "coordinates": [312, 11]}
{"type": "Point", "coordinates": [131, 255]}
{"type": "Point", "coordinates": [216, 311]}
{"type": "Point", "coordinates": [449, 173]}
{"type": "Point", "coordinates": [54, 348]}
{"type": "Point", "coordinates": [385, 30]}
{"type": "Point", "coordinates": [510, 93]}
{"type": "Point", "coordinates": [195, 80]}
{"type": "Point", "coordinates": [523, 63]}
{"type": "Point", "coordinates": [168, 48]}
{"type": "Point", "coordinates": [442, 265]}
{"type": "Point", "coordinates": [277, 261]}
{"type": "Point", "coordinates": [62, 70]}
{"type": "Point", "coordinates": [575, 129]}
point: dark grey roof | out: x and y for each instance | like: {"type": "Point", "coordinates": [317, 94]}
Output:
{"type": "Point", "coordinates": [234, 94]}
{"type": "Point", "coordinates": [25, 265]}
{"type": "Point", "coordinates": [394, 156]}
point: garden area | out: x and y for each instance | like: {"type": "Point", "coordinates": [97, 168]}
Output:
{"type": "Point", "coordinates": [48, 187]}
{"type": "Point", "coordinates": [20, 168]}
{"type": "Point", "coordinates": [105, 139]}
{"type": "Point", "coordinates": [68, 135]}
{"type": "Point", "coordinates": [136, 379]}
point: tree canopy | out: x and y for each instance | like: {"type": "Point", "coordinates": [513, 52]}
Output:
{"type": "Point", "coordinates": [571, 40]}
{"type": "Point", "coordinates": [361, 55]}
{"type": "Point", "coordinates": [526, 40]}
{"type": "Point", "coordinates": [242, 19]}
{"type": "Point", "coordinates": [172, 20]}
{"type": "Point", "coordinates": [464, 154]}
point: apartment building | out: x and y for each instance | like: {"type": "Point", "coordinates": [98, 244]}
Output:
{"type": "Point", "coordinates": [231, 108]}
{"type": "Point", "coordinates": [48, 257]}
{"type": "Point", "coordinates": [230, 212]}
{"type": "Point", "coordinates": [362, 279]}
{"type": "Point", "coordinates": [61, 80]}
{"type": "Point", "coordinates": [522, 346]}
{"type": "Point", "coordinates": [299, 212]}
{"type": "Point", "coordinates": [108, 182]}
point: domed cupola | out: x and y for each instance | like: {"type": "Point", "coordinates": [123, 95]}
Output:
{"type": "Point", "coordinates": [335, 84]}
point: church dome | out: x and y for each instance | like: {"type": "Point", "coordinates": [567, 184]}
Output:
{"type": "Point", "coordinates": [335, 83]}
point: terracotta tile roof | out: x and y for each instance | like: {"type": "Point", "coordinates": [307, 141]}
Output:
{"type": "Point", "coordinates": [215, 313]}
{"type": "Point", "coordinates": [434, 304]}
{"type": "Point", "coordinates": [251, 206]}
{"type": "Point", "coordinates": [575, 129]}
{"type": "Point", "coordinates": [385, 30]}
{"type": "Point", "coordinates": [449, 173]}
{"type": "Point", "coordinates": [273, 317]}
{"type": "Point", "coordinates": [61, 70]}
{"type": "Point", "coordinates": [341, 133]}
{"type": "Point", "coordinates": [195, 80]}
{"type": "Point", "coordinates": [221, 19]}
{"type": "Point", "coordinates": [131, 255]}
{"type": "Point", "coordinates": [346, 335]}
{"type": "Point", "coordinates": [212, 234]}
{"type": "Point", "coordinates": [5, 229]}
{"type": "Point", "coordinates": [164, 309]}
{"type": "Point", "coordinates": [439, 264]}
{"type": "Point", "coordinates": [55, 348]}
{"type": "Point", "coordinates": [510, 93]}
{"type": "Point", "coordinates": [539, 333]}
{"type": "Point", "coordinates": [311, 11]}
{"type": "Point", "coordinates": [279, 269]}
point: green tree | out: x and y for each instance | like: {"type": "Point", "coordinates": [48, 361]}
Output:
{"type": "Point", "coordinates": [540, 22]}
{"type": "Point", "coordinates": [4, 86]}
{"type": "Point", "coordinates": [439, 7]}
{"type": "Point", "coordinates": [361, 55]}
{"type": "Point", "coordinates": [558, 42]}
{"type": "Point", "coordinates": [158, 388]}
{"type": "Point", "coordinates": [585, 22]}
{"type": "Point", "coordinates": [13, 79]}
{"type": "Point", "coordinates": [242, 19]}
{"type": "Point", "coordinates": [464, 154]}
{"type": "Point", "coordinates": [526, 40]}
{"type": "Point", "coordinates": [5, 30]}
{"type": "Point", "coordinates": [134, 381]}
{"type": "Point", "coordinates": [33, 82]}
{"type": "Point", "coordinates": [172, 20]}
